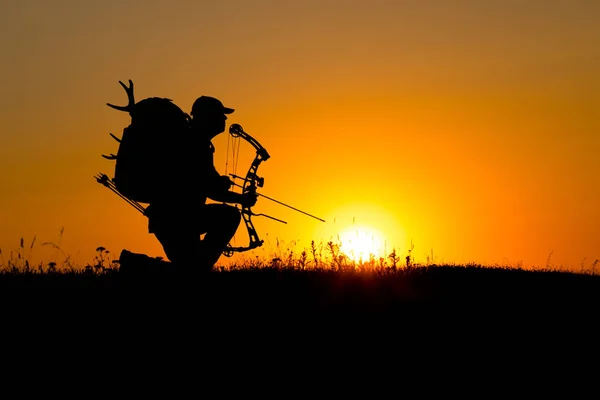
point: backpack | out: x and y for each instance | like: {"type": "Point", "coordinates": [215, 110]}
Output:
{"type": "Point", "coordinates": [148, 145]}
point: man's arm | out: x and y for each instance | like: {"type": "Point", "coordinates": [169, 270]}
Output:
{"type": "Point", "coordinates": [218, 187]}
{"type": "Point", "coordinates": [220, 192]}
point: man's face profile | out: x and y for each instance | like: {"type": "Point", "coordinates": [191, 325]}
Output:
{"type": "Point", "coordinates": [212, 123]}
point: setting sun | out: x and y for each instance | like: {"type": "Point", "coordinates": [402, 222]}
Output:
{"type": "Point", "coordinates": [360, 243]}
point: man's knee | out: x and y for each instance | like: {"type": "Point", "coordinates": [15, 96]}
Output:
{"type": "Point", "coordinates": [225, 215]}
{"type": "Point", "coordinates": [233, 215]}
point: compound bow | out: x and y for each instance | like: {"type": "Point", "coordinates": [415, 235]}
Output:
{"type": "Point", "coordinates": [251, 182]}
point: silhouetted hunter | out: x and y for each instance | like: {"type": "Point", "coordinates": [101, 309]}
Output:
{"type": "Point", "coordinates": [165, 159]}
{"type": "Point", "coordinates": [179, 215]}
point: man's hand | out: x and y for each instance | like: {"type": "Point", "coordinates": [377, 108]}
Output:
{"type": "Point", "coordinates": [248, 199]}
{"type": "Point", "coordinates": [225, 183]}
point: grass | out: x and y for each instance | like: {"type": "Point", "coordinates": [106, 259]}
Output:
{"type": "Point", "coordinates": [321, 278]}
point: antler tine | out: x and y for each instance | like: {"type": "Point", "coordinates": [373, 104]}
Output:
{"type": "Point", "coordinates": [130, 97]}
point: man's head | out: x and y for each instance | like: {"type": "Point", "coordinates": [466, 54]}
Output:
{"type": "Point", "coordinates": [209, 115]}
{"type": "Point", "coordinates": [206, 105]}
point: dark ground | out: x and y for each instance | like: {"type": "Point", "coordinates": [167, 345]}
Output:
{"type": "Point", "coordinates": [470, 317]}
{"type": "Point", "coordinates": [285, 293]}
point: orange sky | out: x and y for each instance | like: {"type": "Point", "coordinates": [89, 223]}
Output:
{"type": "Point", "coordinates": [468, 127]}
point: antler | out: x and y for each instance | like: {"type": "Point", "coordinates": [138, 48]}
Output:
{"type": "Point", "coordinates": [129, 91]}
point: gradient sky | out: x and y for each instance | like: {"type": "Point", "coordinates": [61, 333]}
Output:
{"type": "Point", "coordinates": [470, 128]}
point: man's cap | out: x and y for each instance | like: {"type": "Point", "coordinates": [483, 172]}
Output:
{"type": "Point", "coordinates": [207, 104]}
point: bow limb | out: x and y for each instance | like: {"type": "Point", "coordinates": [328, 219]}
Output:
{"type": "Point", "coordinates": [261, 153]}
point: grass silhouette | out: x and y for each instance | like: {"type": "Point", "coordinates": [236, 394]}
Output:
{"type": "Point", "coordinates": [318, 279]}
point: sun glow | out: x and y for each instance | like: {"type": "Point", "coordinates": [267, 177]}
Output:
{"type": "Point", "coordinates": [362, 230]}
{"type": "Point", "coordinates": [360, 243]}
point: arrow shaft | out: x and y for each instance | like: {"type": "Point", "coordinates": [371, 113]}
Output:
{"type": "Point", "coordinates": [279, 202]}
